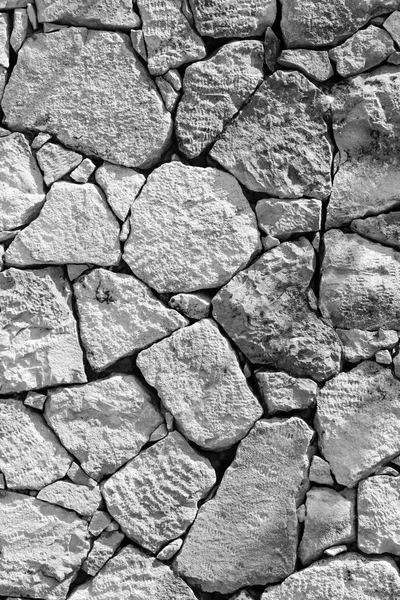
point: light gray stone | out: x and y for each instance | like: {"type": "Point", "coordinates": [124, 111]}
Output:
{"type": "Point", "coordinates": [383, 357]}
{"type": "Point", "coordinates": [195, 305]}
{"type": "Point", "coordinates": [74, 271]}
{"type": "Point", "coordinates": [121, 186]}
{"type": "Point", "coordinates": [11, 4]}
{"type": "Point", "coordinates": [381, 228]}
{"type": "Point", "coordinates": [394, 59]}
{"type": "Point", "coordinates": [170, 550]}
{"type": "Point", "coordinates": [35, 400]}
{"type": "Point", "coordinates": [169, 95]}
{"type": "Point", "coordinates": [335, 550]}
{"type": "Point", "coordinates": [20, 28]}
{"type": "Point", "coordinates": [313, 63]}
{"type": "Point", "coordinates": [80, 498]}
{"type": "Point", "coordinates": [320, 471]}
{"type": "Point", "coordinates": [98, 523]}
{"type": "Point", "coordinates": [283, 218]}
{"type": "Point", "coordinates": [227, 18]}
{"type": "Point", "coordinates": [39, 140]}
{"type": "Point", "coordinates": [101, 14]}
{"type": "Point", "coordinates": [102, 550]}
{"type": "Point", "coordinates": [359, 345]}
{"type": "Point", "coordinates": [78, 475]}
{"type": "Point", "coordinates": [138, 44]}
{"type": "Point", "coordinates": [83, 172]}
{"type": "Point", "coordinates": [4, 40]}
{"type": "Point", "coordinates": [56, 161]}
{"type": "Point", "coordinates": [272, 48]}
{"type": "Point", "coordinates": [392, 25]}
{"type": "Point", "coordinates": [282, 392]}
{"type": "Point", "coordinates": [32, 16]}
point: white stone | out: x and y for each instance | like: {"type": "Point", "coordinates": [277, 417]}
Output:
{"type": "Point", "coordinates": [383, 357]}
{"type": "Point", "coordinates": [35, 400]}
{"type": "Point", "coordinates": [282, 392]}
{"type": "Point", "coordinates": [99, 521]}
{"type": "Point", "coordinates": [195, 305]}
{"type": "Point", "coordinates": [283, 218]}
{"type": "Point", "coordinates": [335, 550]}
{"type": "Point", "coordinates": [381, 228]}
{"type": "Point", "coordinates": [20, 28]}
{"type": "Point", "coordinates": [392, 25]}
{"type": "Point", "coordinates": [359, 345]}
{"type": "Point", "coordinates": [78, 475]}
{"type": "Point", "coordinates": [169, 95]}
{"type": "Point", "coordinates": [4, 40]}
{"type": "Point", "coordinates": [102, 550]}
{"type": "Point", "coordinates": [120, 185]}
{"type": "Point", "coordinates": [226, 18]}
{"type": "Point", "coordinates": [80, 498]}
{"type": "Point", "coordinates": [56, 161]}
{"type": "Point", "coordinates": [101, 14]}
{"type": "Point", "coordinates": [83, 172]}
{"type": "Point", "coordinates": [320, 471]}
{"type": "Point", "coordinates": [39, 140]}
{"type": "Point", "coordinates": [138, 44]}
{"type": "Point", "coordinates": [170, 550]}
{"type": "Point", "coordinates": [313, 63]}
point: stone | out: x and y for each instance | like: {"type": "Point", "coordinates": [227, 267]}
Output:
{"type": "Point", "coordinates": [257, 498]}
{"type": "Point", "coordinates": [78, 476]}
{"type": "Point", "coordinates": [154, 497]}
{"type": "Point", "coordinates": [74, 271]}
{"type": "Point", "coordinates": [102, 550]}
{"type": "Point", "coordinates": [394, 58]}
{"type": "Point", "coordinates": [359, 345]}
{"type": "Point", "coordinates": [6, 236]}
{"type": "Point", "coordinates": [383, 357]}
{"type": "Point", "coordinates": [260, 145]}
{"type": "Point", "coordinates": [195, 305]}
{"type": "Point", "coordinates": [76, 59]}
{"type": "Point", "coordinates": [282, 392]}
{"type": "Point", "coordinates": [133, 574]}
{"type": "Point", "coordinates": [330, 520]}
{"type": "Point", "coordinates": [226, 18]}
{"type": "Point", "coordinates": [385, 470]}
{"type": "Point", "coordinates": [32, 16]}
{"type": "Point", "coordinates": [31, 454]}
{"type": "Point", "coordinates": [198, 378]}
{"type": "Point", "coordinates": [2, 482]}
{"type": "Point", "coordinates": [121, 187]}
{"type": "Point", "coordinates": [392, 25]}
{"type": "Point", "coordinates": [119, 315]}
{"type": "Point", "coordinates": [80, 498]}
{"type": "Point", "coordinates": [269, 242]}
{"type": "Point", "coordinates": [39, 345]}
{"type": "Point", "coordinates": [83, 172]}
{"type": "Point", "coordinates": [320, 471]}
{"type": "Point", "coordinates": [283, 218]}
{"type": "Point", "coordinates": [11, 4]}
{"type": "Point", "coordinates": [381, 228]}
{"type": "Point", "coordinates": [99, 521]}
{"type": "Point", "coordinates": [35, 400]}
{"type": "Point", "coordinates": [102, 14]}
{"type": "Point", "coordinates": [214, 90]}
{"type": "Point", "coordinates": [160, 433]}
{"type": "Point", "coordinates": [113, 526]}
{"type": "Point", "coordinates": [170, 40]}
{"type": "Point", "coordinates": [4, 40]}
{"type": "Point", "coordinates": [173, 77]}
{"type": "Point", "coordinates": [39, 140]}
{"type": "Point", "coordinates": [56, 161]}
{"type": "Point", "coordinates": [368, 177]}
{"type": "Point", "coordinates": [125, 230]}
{"type": "Point", "coordinates": [103, 423]}
{"type": "Point", "coordinates": [75, 225]}
{"type": "Point", "coordinates": [359, 283]}
{"type": "Point", "coordinates": [350, 576]}
{"type": "Point", "coordinates": [42, 546]}
{"type": "Point", "coordinates": [356, 421]}
{"type": "Point", "coordinates": [313, 63]}
{"type": "Point", "coordinates": [20, 28]}
{"type": "Point", "coordinates": [169, 95]}
{"type": "Point", "coordinates": [169, 551]}
{"type": "Point", "coordinates": [21, 185]}
{"type": "Point", "coordinates": [335, 550]}
{"type": "Point", "coordinates": [272, 49]}
{"type": "Point", "coordinates": [265, 311]}
{"type": "Point", "coordinates": [396, 365]}
{"type": "Point", "coordinates": [138, 44]}
{"type": "Point", "coordinates": [362, 51]}
{"type": "Point", "coordinates": [242, 595]}
{"type": "Point", "coordinates": [202, 232]}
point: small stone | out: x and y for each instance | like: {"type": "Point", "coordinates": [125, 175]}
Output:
{"type": "Point", "coordinates": [80, 498]}
{"type": "Point", "coordinates": [4, 40]}
{"type": "Point", "coordinates": [387, 471]}
{"type": "Point", "coordinates": [154, 497]}
{"type": "Point", "coordinates": [39, 141]}
{"type": "Point", "coordinates": [313, 63]}
{"type": "Point", "coordinates": [102, 550]}
{"type": "Point", "coordinates": [119, 315]}
{"type": "Point", "coordinates": [283, 218]}
{"type": "Point", "coordinates": [56, 161]}
{"type": "Point", "coordinates": [320, 471]}
{"type": "Point", "coordinates": [242, 595]}
{"type": "Point", "coordinates": [121, 187]}
{"type": "Point", "coordinates": [272, 49]}
{"type": "Point", "coordinates": [301, 513]}
{"type": "Point", "coordinates": [383, 357]}
{"type": "Point", "coordinates": [198, 378]}
{"type": "Point", "coordinates": [30, 9]}
{"type": "Point", "coordinates": [2, 482]}
{"type": "Point", "coordinates": [225, 18]}
{"type": "Point", "coordinates": [35, 400]}
{"type": "Point", "coordinates": [396, 365]}
{"type": "Point", "coordinates": [359, 345]}
{"type": "Point", "coordinates": [138, 44]}
{"type": "Point", "coordinates": [330, 519]}
{"type": "Point", "coordinates": [354, 446]}
{"type": "Point", "coordinates": [396, 461]}
{"type": "Point", "coordinates": [159, 433]}
{"type": "Point", "coordinates": [382, 228]}
{"type": "Point", "coordinates": [50, 27]}
{"type": "Point", "coordinates": [170, 550]}
{"type": "Point", "coordinates": [169, 95]}
{"type": "Point", "coordinates": [394, 59]}
{"type": "Point", "coordinates": [201, 234]}
{"type": "Point", "coordinates": [125, 230]}
{"type": "Point", "coordinates": [392, 25]}
{"type": "Point", "coordinates": [20, 28]}
{"type": "Point", "coordinates": [269, 242]}
{"type": "Point", "coordinates": [194, 306]}
{"type": "Point", "coordinates": [281, 392]}
{"type": "Point", "coordinates": [74, 271]}
{"type": "Point", "coordinates": [99, 521]}
{"type": "Point", "coordinates": [102, 14]}
{"type": "Point", "coordinates": [78, 476]}
{"type": "Point", "coordinates": [335, 550]}
{"type": "Point", "coordinates": [378, 515]}
{"type": "Point", "coordinates": [103, 423]}
{"type": "Point", "coordinates": [11, 4]}
{"type": "Point", "coordinates": [173, 77]}
{"type": "Point", "coordinates": [113, 526]}
{"type": "Point", "coordinates": [5, 236]}
{"type": "Point", "coordinates": [260, 145]}
{"type": "Point", "coordinates": [82, 173]}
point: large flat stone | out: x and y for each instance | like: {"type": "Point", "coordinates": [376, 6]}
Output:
{"type": "Point", "coordinates": [227, 18]}
{"type": "Point", "coordinates": [100, 14]}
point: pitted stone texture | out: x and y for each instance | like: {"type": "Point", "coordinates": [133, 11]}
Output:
{"type": "Point", "coordinates": [4, 40]}
{"type": "Point", "coordinates": [360, 283]}
{"type": "Point", "coordinates": [75, 225]}
{"type": "Point", "coordinates": [31, 454]}
{"type": "Point", "coordinates": [281, 392]}
{"type": "Point", "coordinates": [169, 95]}
{"type": "Point", "coordinates": [357, 421]}
{"type": "Point", "coordinates": [83, 172]}
{"type": "Point", "coordinates": [103, 423]}
{"type": "Point", "coordinates": [56, 161]}
{"type": "Point", "coordinates": [214, 91]}
{"type": "Point", "coordinates": [265, 311]}
{"type": "Point", "coordinates": [195, 305]}
{"type": "Point", "coordinates": [42, 545]}
{"type": "Point", "coordinates": [99, 522]}
{"type": "Point", "coordinates": [283, 218]}
{"type": "Point", "coordinates": [261, 145]}
{"type": "Point", "coordinates": [121, 186]}
{"type": "Point", "coordinates": [392, 25]}
{"type": "Point", "coordinates": [102, 550]}
{"type": "Point", "coordinates": [378, 515]}
{"type": "Point", "coordinates": [191, 228]}
{"type": "Point", "coordinates": [20, 28]}
{"type": "Point", "coordinates": [247, 534]}
{"type": "Point", "coordinates": [133, 574]}
{"type": "Point", "coordinates": [199, 380]}
{"type": "Point", "coordinates": [21, 184]}
{"type": "Point", "coordinates": [320, 471]}
{"type": "Point", "coordinates": [154, 497]}
{"type": "Point", "coordinates": [76, 60]}
{"type": "Point", "coordinates": [119, 315]}
{"type": "Point", "coordinates": [313, 63]}
{"type": "Point", "coordinates": [382, 228]}
{"type": "Point", "coordinates": [366, 127]}
{"type": "Point", "coordinates": [348, 577]}
{"type": "Point", "coordinates": [39, 344]}
{"type": "Point", "coordinates": [330, 520]}
{"type": "Point", "coordinates": [272, 47]}
{"type": "Point", "coordinates": [227, 18]}
{"type": "Point", "coordinates": [101, 14]}
{"type": "Point", "coordinates": [80, 498]}
{"type": "Point", "coordinates": [170, 40]}
{"type": "Point", "coordinates": [359, 345]}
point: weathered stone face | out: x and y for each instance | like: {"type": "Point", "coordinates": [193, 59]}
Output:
{"type": "Point", "coordinates": [101, 14]}
{"type": "Point", "coordinates": [225, 18]}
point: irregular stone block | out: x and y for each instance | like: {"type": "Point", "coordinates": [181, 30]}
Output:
{"type": "Point", "coordinates": [227, 18]}
{"type": "Point", "coordinates": [194, 306]}
{"type": "Point", "coordinates": [78, 476]}
{"type": "Point", "coordinates": [281, 392]}
{"type": "Point", "coordinates": [20, 28]}
{"type": "Point", "coordinates": [392, 25]}
{"type": "Point", "coordinates": [101, 14]}
{"type": "Point", "coordinates": [313, 63]}
{"type": "Point", "coordinates": [80, 498]}
{"type": "Point", "coordinates": [382, 228]}
{"type": "Point", "coordinates": [83, 172]}
{"type": "Point", "coordinates": [383, 357]}
{"type": "Point", "coordinates": [170, 550]}
{"type": "Point", "coordinates": [4, 40]}
{"type": "Point", "coordinates": [35, 400]}
{"type": "Point", "coordinates": [359, 345]}
{"type": "Point", "coordinates": [169, 95]}
{"type": "Point", "coordinates": [320, 471]}
{"type": "Point", "coordinates": [283, 218]}
{"type": "Point", "coordinates": [272, 48]}
{"type": "Point", "coordinates": [120, 185]}
{"type": "Point", "coordinates": [102, 550]}
{"type": "Point", "coordinates": [56, 161]}
{"type": "Point", "coordinates": [99, 522]}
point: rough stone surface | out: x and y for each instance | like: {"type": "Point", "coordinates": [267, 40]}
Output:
{"type": "Point", "coordinates": [283, 218]}
{"type": "Point", "coordinates": [392, 25]}
{"type": "Point", "coordinates": [119, 315]}
{"type": "Point", "coordinates": [56, 161]}
{"type": "Point", "coordinates": [257, 499]}
{"type": "Point", "coordinates": [121, 186]}
{"type": "Point", "coordinates": [4, 40]}
{"type": "Point", "coordinates": [78, 476]}
{"type": "Point", "coordinates": [103, 423]}
{"type": "Point", "coordinates": [75, 225]}
{"type": "Point", "coordinates": [383, 357]}
{"type": "Point", "coordinates": [272, 47]}
{"type": "Point", "coordinates": [359, 345]}
{"type": "Point", "coordinates": [39, 344]}
{"type": "Point", "coordinates": [74, 60]}
{"type": "Point", "coordinates": [260, 146]}
{"type": "Point", "coordinates": [99, 521]}
{"type": "Point", "coordinates": [35, 400]}
{"type": "Point", "coordinates": [265, 311]}
{"type": "Point", "coordinates": [199, 380]}
{"type": "Point", "coordinates": [169, 551]}
{"type": "Point", "coordinates": [382, 228]}
{"type": "Point", "coordinates": [320, 471]}
{"type": "Point", "coordinates": [101, 14]}
{"type": "Point", "coordinates": [356, 420]}
{"type": "Point", "coordinates": [196, 229]}
{"type": "Point", "coordinates": [194, 306]}
{"type": "Point", "coordinates": [169, 95]}
{"type": "Point", "coordinates": [103, 549]}
{"type": "Point", "coordinates": [20, 28]}
{"type": "Point", "coordinates": [213, 92]}
{"type": "Point", "coordinates": [313, 63]}
{"type": "Point", "coordinates": [225, 18]}
{"type": "Point", "coordinates": [83, 172]}
{"type": "Point", "coordinates": [282, 392]}
{"type": "Point", "coordinates": [80, 498]}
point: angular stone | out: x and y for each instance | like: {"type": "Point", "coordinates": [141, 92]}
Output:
{"type": "Point", "coordinates": [80, 498]}
{"type": "Point", "coordinates": [35, 400]}
{"type": "Point", "coordinates": [103, 423]}
{"type": "Point", "coordinates": [392, 25]}
{"type": "Point", "coordinates": [83, 172]}
{"type": "Point", "coordinates": [121, 186]}
{"type": "Point", "coordinates": [4, 40]}
{"type": "Point", "coordinates": [102, 550]}
{"type": "Point", "coordinates": [350, 576]}
{"type": "Point", "coordinates": [394, 59]}
{"type": "Point", "coordinates": [56, 161]}
{"type": "Point", "coordinates": [330, 520]}
{"type": "Point", "coordinates": [78, 476]}
{"type": "Point", "coordinates": [119, 315]}
{"type": "Point", "coordinates": [39, 344]}
{"type": "Point", "coordinates": [214, 91]}
{"type": "Point", "coordinates": [272, 48]}
{"type": "Point", "coordinates": [357, 421]}
{"type": "Point", "coordinates": [42, 545]}
{"type": "Point", "coordinates": [281, 392]}
{"type": "Point", "coordinates": [174, 78]}
{"type": "Point", "coordinates": [364, 50]}
{"type": "Point", "coordinates": [382, 228]}
{"type": "Point", "coordinates": [169, 95]}
{"type": "Point", "coordinates": [313, 63]}
{"type": "Point", "coordinates": [265, 311]}
{"type": "Point", "coordinates": [283, 218]}
{"type": "Point", "coordinates": [320, 471]}
{"type": "Point", "coordinates": [261, 145]}
{"type": "Point", "coordinates": [32, 16]}
{"type": "Point", "coordinates": [76, 59]}
{"type": "Point", "coordinates": [21, 184]}
{"type": "Point", "coordinates": [335, 550]}
{"type": "Point", "coordinates": [11, 4]}
{"type": "Point", "coordinates": [383, 357]}
{"type": "Point", "coordinates": [20, 28]}
{"type": "Point", "coordinates": [242, 595]}
{"type": "Point", "coordinates": [170, 550]}
{"type": "Point", "coordinates": [198, 378]}
{"type": "Point", "coordinates": [257, 498]}
{"type": "Point", "coordinates": [202, 232]}
{"type": "Point", "coordinates": [194, 306]}
{"type": "Point", "coordinates": [39, 140]}
{"type": "Point", "coordinates": [359, 345]}
{"type": "Point", "coordinates": [74, 271]}
{"type": "Point", "coordinates": [378, 515]}
{"type": "Point", "coordinates": [226, 18]}
{"type": "Point", "coordinates": [75, 225]}
{"type": "Point", "coordinates": [101, 14]}
{"type": "Point", "coordinates": [137, 39]}
{"type": "Point", "coordinates": [99, 522]}
{"type": "Point", "coordinates": [359, 283]}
